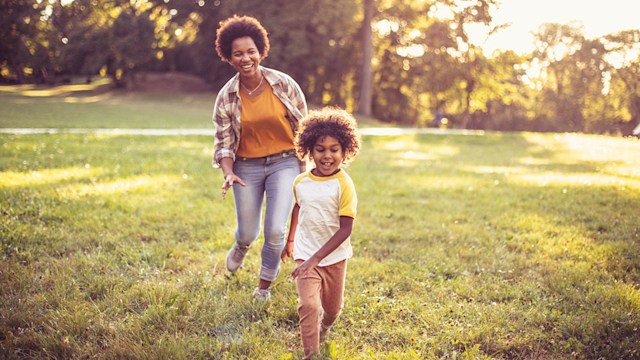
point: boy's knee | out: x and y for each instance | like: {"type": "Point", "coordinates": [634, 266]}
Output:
{"type": "Point", "coordinates": [309, 306]}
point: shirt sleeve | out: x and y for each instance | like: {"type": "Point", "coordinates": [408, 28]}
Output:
{"type": "Point", "coordinates": [224, 134]}
{"type": "Point", "coordinates": [348, 198]}
{"type": "Point", "coordinates": [296, 94]}
{"type": "Point", "coordinates": [296, 181]}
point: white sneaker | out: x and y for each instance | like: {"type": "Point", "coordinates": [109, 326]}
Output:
{"type": "Point", "coordinates": [262, 295]}
{"type": "Point", "coordinates": [235, 257]}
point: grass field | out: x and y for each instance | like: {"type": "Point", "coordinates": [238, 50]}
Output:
{"type": "Point", "coordinates": [500, 246]}
{"type": "Point", "coordinates": [95, 106]}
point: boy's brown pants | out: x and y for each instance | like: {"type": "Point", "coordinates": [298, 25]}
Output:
{"type": "Point", "coordinates": [321, 293]}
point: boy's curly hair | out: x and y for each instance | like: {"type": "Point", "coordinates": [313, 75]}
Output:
{"type": "Point", "coordinates": [240, 26]}
{"type": "Point", "coordinates": [329, 121]}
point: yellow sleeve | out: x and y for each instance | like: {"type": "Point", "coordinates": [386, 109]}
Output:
{"type": "Point", "coordinates": [348, 198]}
{"type": "Point", "coordinates": [295, 183]}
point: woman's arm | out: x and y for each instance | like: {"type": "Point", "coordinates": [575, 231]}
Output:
{"type": "Point", "coordinates": [346, 225]}
{"type": "Point", "coordinates": [225, 135]}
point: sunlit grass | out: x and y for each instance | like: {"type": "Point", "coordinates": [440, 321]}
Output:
{"type": "Point", "coordinates": [491, 246]}
{"type": "Point", "coordinates": [44, 176]}
{"type": "Point", "coordinates": [98, 106]}
{"type": "Point", "coordinates": [31, 90]}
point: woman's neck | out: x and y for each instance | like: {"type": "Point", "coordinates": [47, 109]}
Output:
{"type": "Point", "coordinates": [251, 81]}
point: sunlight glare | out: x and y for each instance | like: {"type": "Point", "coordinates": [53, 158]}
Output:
{"type": "Point", "coordinates": [523, 18]}
{"type": "Point", "coordinates": [119, 186]}
{"type": "Point", "coordinates": [413, 51]}
{"type": "Point", "coordinates": [502, 170]}
{"type": "Point", "coordinates": [385, 27]}
{"type": "Point", "coordinates": [440, 11]}
{"type": "Point", "coordinates": [573, 179]}
{"type": "Point", "coordinates": [46, 176]}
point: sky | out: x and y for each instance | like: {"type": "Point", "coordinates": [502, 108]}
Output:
{"type": "Point", "coordinates": [598, 17]}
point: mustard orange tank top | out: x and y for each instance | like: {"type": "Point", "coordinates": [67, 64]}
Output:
{"type": "Point", "coordinates": [264, 127]}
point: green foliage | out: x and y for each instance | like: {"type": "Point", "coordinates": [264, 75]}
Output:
{"type": "Point", "coordinates": [422, 63]}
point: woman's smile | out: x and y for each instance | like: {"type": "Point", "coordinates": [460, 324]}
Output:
{"type": "Point", "coordinates": [245, 56]}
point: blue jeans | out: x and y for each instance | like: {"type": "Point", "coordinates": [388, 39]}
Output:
{"type": "Point", "coordinates": [272, 176]}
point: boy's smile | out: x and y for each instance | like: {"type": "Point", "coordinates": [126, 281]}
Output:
{"type": "Point", "coordinates": [327, 155]}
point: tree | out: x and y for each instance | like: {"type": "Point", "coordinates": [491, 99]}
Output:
{"type": "Point", "coordinates": [22, 48]}
{"type": "Point", "coordinates": [555, 45]}
{"type": "Point", "coordinates": [623, 62]}
{"type": "Point", "coordinates": [502, 97]}
{"type": "Point", "coordinates": [131, 39]}
{"type": "Point", "coordinates": [366, 76]}
{"type": "Point", "coordinates": [470, 56]}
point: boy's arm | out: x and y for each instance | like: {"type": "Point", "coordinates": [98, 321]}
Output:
{"type": "Point", "coordinates": [288, 247]}
{"type": "Point", "coordinates": [346, 225]}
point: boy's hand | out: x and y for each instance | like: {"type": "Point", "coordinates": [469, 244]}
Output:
{"type": "Point", "coordinates": [287, 251]}
{"type": "Point", "coordinates": [305, 267]}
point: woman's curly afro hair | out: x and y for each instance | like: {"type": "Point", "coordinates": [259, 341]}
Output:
{"type": "Point", "coordinates": [240, 26]}
{"type": "Point", "coordinates": [329, 121]}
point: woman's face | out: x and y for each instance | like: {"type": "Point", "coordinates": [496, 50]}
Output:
{"type": "Point", "coordinates": [245, 56]}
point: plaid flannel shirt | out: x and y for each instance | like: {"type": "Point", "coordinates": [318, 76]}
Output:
{"type": "Point", "coordinates": [226, 112]}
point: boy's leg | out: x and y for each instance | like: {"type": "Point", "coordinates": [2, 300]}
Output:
{"type": "Point", "coordinates": [309, 308]}
{"type": "Point", "coordinates": [332, 292]}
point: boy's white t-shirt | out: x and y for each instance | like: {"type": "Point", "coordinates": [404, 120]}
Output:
{"type": "Point", "coordinates": [322, 201]}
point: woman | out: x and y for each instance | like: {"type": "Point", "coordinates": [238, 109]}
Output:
{"type": "Point", "coordinates": [256, 115]}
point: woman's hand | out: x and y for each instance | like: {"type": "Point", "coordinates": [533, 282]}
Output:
{"type": "Point", "coordinates": [229, 179]}
{"type": "Point", "coordinates": [305, 267]}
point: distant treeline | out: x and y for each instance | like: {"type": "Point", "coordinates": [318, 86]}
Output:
{"type": "Point", "coordinates": [394, 60]}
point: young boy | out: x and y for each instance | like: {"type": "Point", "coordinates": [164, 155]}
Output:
{"type": "Point", "coordinates": [322, 220]}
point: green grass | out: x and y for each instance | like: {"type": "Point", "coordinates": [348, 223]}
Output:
{"type": "Point", "coordinates": [95, 106]}
{"type": "Point", "coordinates": [501, 246]}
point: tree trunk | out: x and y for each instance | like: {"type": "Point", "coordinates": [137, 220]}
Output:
{"type": "Point", "coordinates": [366, 80]}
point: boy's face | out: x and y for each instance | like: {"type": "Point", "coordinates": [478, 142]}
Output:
{"type": "Point", "coordinates": [327, 155]}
